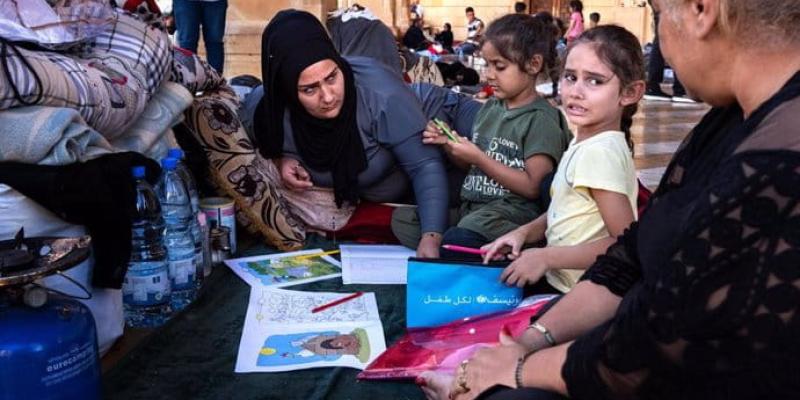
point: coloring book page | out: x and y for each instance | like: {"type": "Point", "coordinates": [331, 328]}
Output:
{"type": "Point", "coordinates": [287, 306]}
{"type": "Point", "coordinates": [285, 269]}
{"type": "Point", "coordinates": [281, 333]}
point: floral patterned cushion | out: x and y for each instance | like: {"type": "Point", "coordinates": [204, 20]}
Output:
{"type": "Point", "coordinates": [240, 172]}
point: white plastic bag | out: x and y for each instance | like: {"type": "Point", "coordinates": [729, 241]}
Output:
{"type": "Point", "coordinates": [54, 28]}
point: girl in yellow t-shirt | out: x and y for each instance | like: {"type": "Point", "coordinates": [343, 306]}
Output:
{"type": "Point", "coordinates": [594, 188]}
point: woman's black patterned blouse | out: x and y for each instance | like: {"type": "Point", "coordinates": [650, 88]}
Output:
{"type": "Point", "coordinates": [710, 275]}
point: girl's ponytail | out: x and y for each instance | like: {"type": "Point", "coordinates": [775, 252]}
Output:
{"type": "Point", "coordinates": [627, 122]}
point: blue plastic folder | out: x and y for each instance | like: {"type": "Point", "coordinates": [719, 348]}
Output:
{"type": "Point", "coordinates": [440, 291]}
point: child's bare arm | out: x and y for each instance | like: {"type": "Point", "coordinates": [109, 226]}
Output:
{"type": "Point", "coordinates": [617, 216]}
{"type": "Point", "coordinates": [615, 209]}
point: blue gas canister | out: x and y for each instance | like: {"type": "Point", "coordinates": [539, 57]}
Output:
{"type": "Point", "coordinates": [48, 342]}
{"type": "Point", "coordinates": [49, 352]}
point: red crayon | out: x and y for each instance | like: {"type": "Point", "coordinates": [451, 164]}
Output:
{"type": "Point", "coordinates": [336, 302]}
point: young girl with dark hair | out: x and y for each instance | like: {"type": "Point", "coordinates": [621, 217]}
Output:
{"type": "Point", "coordinates": [517, 139]}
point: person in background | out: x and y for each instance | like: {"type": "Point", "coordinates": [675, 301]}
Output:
{"type": "Point", "coordinates": [418, 10]}
{"type": "Point", "coordinates": [655, 74]}
{"type": "Point", "coordinates": [414, 37]}
{"type": "Point", "coordinates": [575, 20]}
{"type": "Point", "coordinates": [555, 63]}
{"type": "Point", "coordinates": [190, 16]}
{"type": "Point", "coordinates": [445, 37]}
{"type": "Point", "coordinates": [520, 7]}
{"type": "Point", "coordinates": [594, 20]}
{"type": "Point", "coordinates": [474, 33]}
{"type": "Point", "coordinates": [517, 139]}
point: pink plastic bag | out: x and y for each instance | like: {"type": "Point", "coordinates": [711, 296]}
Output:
{"type": "Point", "coordinates": [442, 348]}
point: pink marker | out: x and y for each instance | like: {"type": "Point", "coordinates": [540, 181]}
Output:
{"type": "Point", "coordinates": [462, 249]}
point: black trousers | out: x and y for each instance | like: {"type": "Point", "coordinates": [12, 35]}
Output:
{"type": "Point", "coordinates": [655, 70]}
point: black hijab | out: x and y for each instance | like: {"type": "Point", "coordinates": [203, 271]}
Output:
{"type": "Point", "coordinates": [291, 42]}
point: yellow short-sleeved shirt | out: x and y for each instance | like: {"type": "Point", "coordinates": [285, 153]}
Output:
{"type": "Point", "coordinates": [603, 161]}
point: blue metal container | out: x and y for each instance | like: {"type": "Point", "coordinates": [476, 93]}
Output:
{"type": "Point", "coordinates": [48, 352]}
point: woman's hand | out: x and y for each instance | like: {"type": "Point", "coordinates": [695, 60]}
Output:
{"type": "Point", "coordinates": [488, 367]}
{"type": "Point", "coordinates": [294, 176]}
{"type": "Point", "coordinates": [508, 245]}
{"type": "Point", "coordinates": [429, 245]}
{"type": "Point", "coordinates": [527, 269]}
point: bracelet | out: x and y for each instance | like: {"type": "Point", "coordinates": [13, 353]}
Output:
{"type": "Point", "coordinates": [548, 337]}
{"type": "Point", "coordinates": [520, 365]}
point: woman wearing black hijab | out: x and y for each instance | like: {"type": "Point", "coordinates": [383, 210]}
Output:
{"type": "Point", "coordinates": [350, 124]}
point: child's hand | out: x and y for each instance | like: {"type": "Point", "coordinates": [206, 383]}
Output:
{"type": "Point", "coordinates": [527, 269]}
{"type": "Point", "coordinates": [433, 135]}
{"type": "Point", "coordinates": [464, 150]}
{"type": "Point", "coordinates": [508, 245]}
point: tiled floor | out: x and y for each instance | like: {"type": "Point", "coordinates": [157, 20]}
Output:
{"type": "Point", "coordinates": [657, 131]}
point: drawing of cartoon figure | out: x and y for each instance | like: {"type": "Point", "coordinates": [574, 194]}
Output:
{"type": "Point", "coordinates": [301, 348]}
{"type": "Point", "coordinates": [288, 269]}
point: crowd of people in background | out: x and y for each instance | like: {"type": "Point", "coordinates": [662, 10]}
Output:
{"type": "Point", "coordinates": [416, 36]}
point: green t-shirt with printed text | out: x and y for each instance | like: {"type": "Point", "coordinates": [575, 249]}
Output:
{"type": "Point", "coordinates": [511, 137]}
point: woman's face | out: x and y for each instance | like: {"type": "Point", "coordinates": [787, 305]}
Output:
{"type": "Point", "coordinates": [320, 89]}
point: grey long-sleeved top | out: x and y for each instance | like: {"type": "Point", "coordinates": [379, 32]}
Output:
{"type": "Point", "coordinates": [390, 119]}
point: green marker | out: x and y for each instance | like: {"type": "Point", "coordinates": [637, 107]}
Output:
{"type": "Point", "coordinates": [443, 127]}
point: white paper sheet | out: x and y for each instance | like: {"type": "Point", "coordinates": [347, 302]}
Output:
{"type": "Point", "coordinates": [282, 334]}
{"type": "Point", "coordinates": [375, 264]}
{"type": "Point", "coordinates": [284, 269]}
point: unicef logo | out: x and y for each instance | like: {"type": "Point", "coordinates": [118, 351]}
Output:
{"type": "Point", "coordinates": [481, 299]}
{"type": "Point", "coordinates": [158, 296]}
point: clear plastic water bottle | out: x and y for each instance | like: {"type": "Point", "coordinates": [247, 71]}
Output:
{"type": "Point", "coordinates": [187, 177]}
{"type": "Point", "coordinates": [146, 289]}
{"type": "Point", "coordinates": [191, 187]}
{"type": "Point", "coordinates": [177, 210]}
